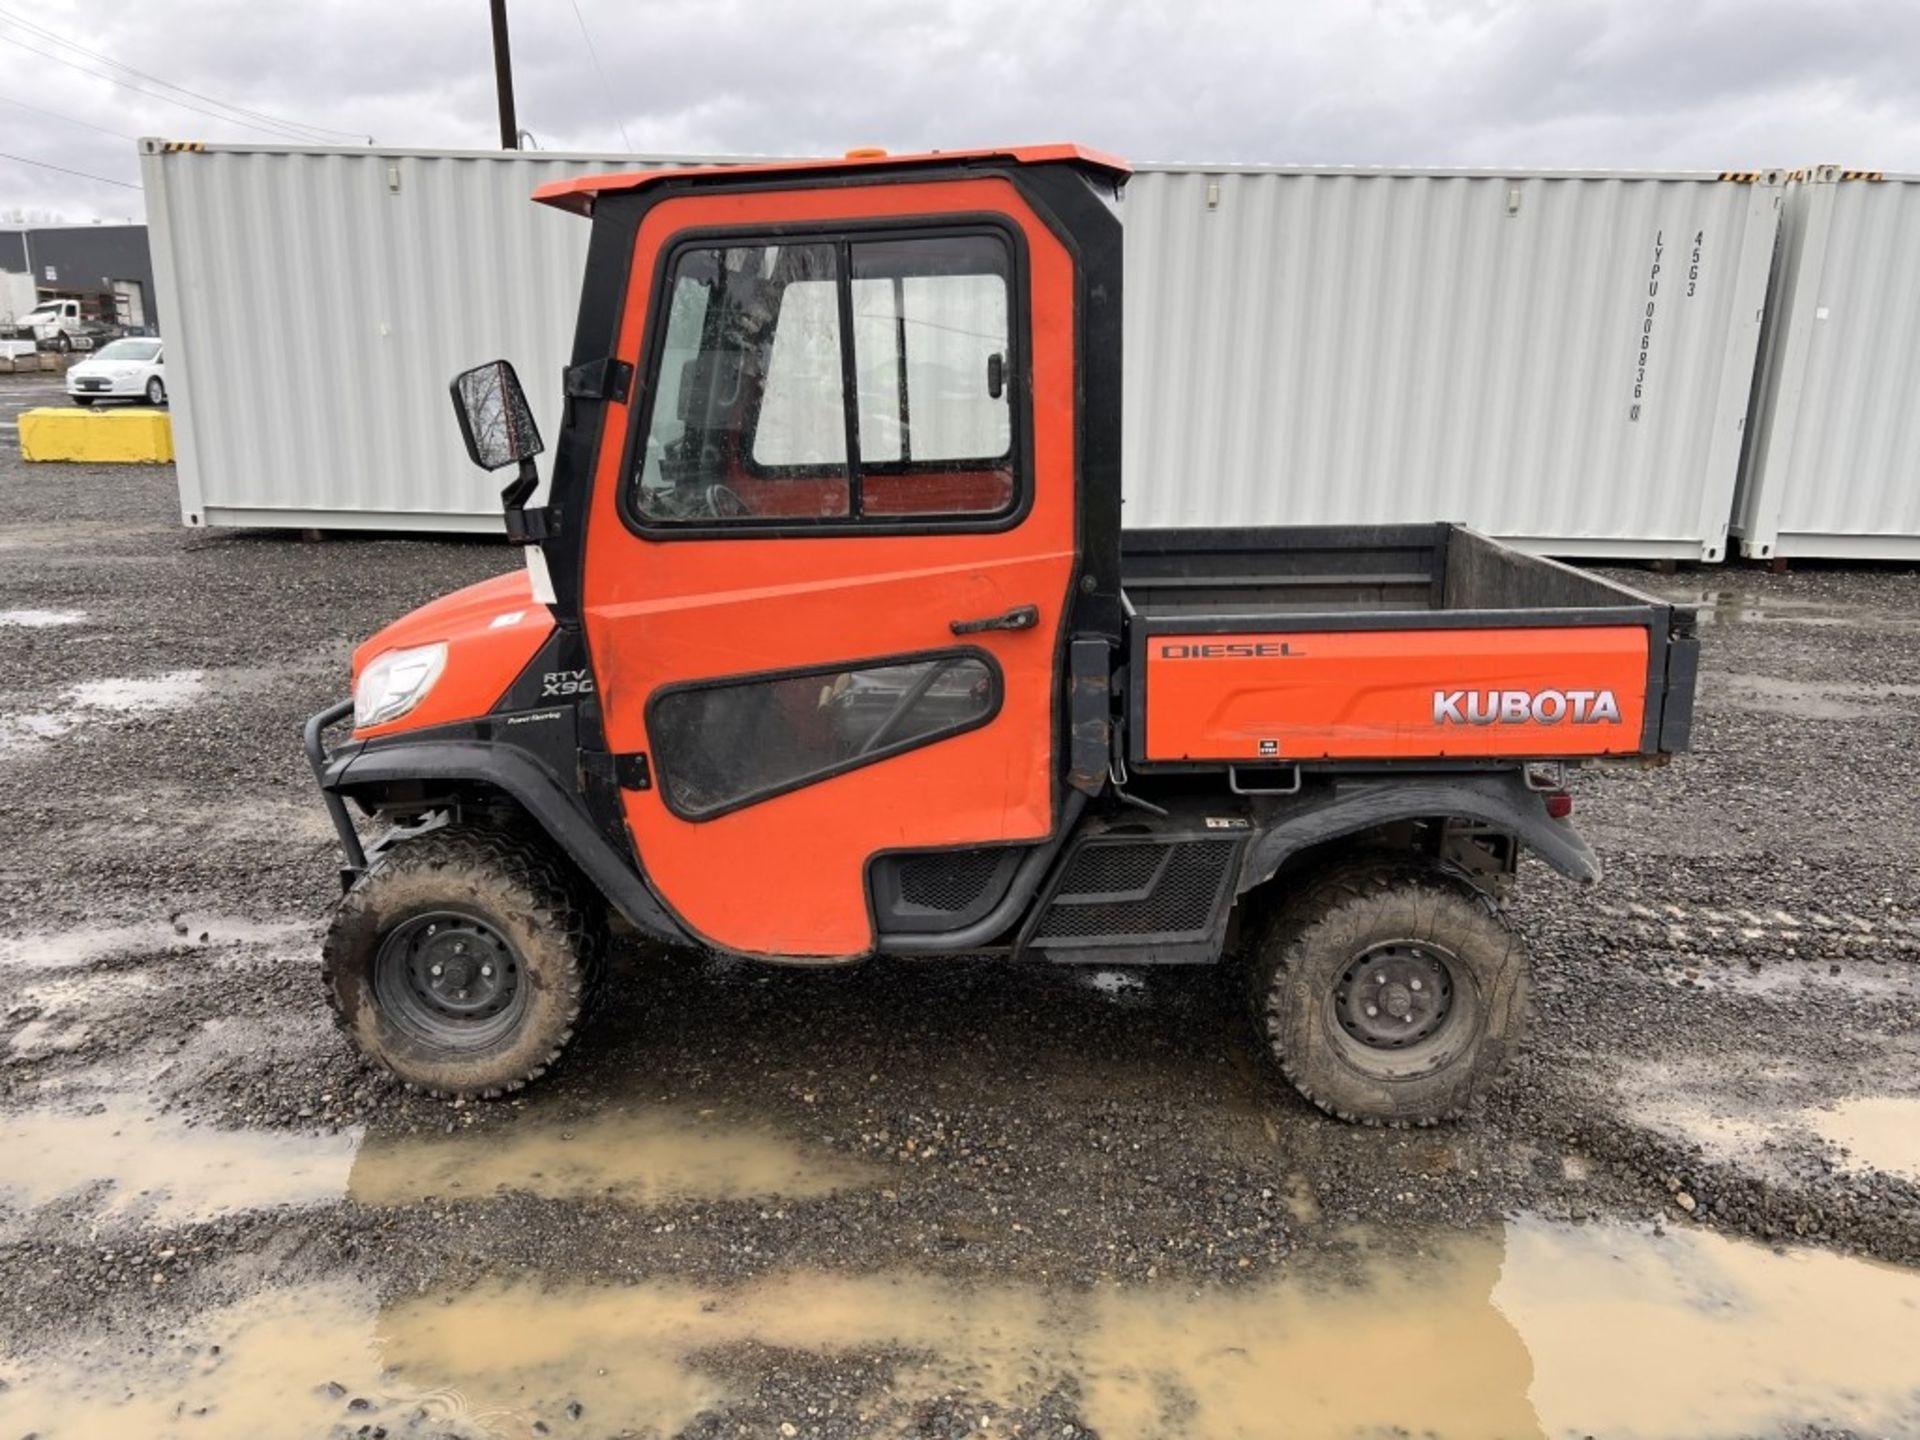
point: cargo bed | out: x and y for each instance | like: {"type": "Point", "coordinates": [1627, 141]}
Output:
{"type": "Point", "coordinates": [1320, 645]}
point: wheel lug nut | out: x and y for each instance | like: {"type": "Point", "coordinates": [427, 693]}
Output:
{"type": "Point", "coordinates": [1372, 1010]}
{"type": "Point", "coordinates": [486, 972]}
{"type": "Point", "coordinates": [435, 971]}
{"type": "Point", "coordinates": [459, 947]}
{"type": "Point", "coordinates": [1380, 978]}
{"type": "Point", "coordinates": [1415, 984]}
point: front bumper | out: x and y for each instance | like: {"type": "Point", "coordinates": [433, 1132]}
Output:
{"type": "Point", "coordinates": [99, 389]}
{"type": "Point", "coordinates": [317, 757]}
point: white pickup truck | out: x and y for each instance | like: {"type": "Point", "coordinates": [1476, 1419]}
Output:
{"type": "Point", "coordinates": [61, 325]}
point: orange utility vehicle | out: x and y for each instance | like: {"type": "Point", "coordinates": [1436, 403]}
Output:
{"type": "Point", "coordinates": [831, 644]}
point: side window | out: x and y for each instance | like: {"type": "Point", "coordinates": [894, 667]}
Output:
{"type": "Point", "coordinates": [719, 747]}
{"type": "Point", "coordinates": [749, 418]}
{"type": "Point", "coordinates": [803, 415]}
{"type": "Point", "coordinates": [931, 344]}
{"type": "Point", "coordinates": [686, 316]}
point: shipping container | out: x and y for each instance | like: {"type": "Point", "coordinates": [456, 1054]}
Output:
{"type": "Point", "coordinates": [1833, 462]}
{"type": "Point", "coordinates": [1560, 359]}
{"type": "Point", "coordinates": [319, 301]}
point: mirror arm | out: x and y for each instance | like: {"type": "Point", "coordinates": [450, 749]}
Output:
{"type": "Point", "coordinates": [523, 527]}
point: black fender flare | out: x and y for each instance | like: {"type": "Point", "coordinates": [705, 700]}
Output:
{"type": "Point", "coordinates": [556, 810]}
{"type": "Point", "coordinates": [1502, 800]}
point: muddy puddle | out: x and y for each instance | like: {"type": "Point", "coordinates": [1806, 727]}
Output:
{"type": "Point", "coordinates": [128, 1163]}
{"type": "Point", "coordinates": [121, 1161]}
{"type": "Point", "coordinates": [1813, 700]}
{"type": "Point", "coordinates": [94, 700]}
{"type": "Point", "coordinates": [1733, 607]}
{"type": "Point", "coordinates": [1530, 1330]}
{"type": "Point", "coordinates": [642, 1157]}
{"type": "Point", "coordinates": [1760, 1130]}
{"type": "Point", "coordinates": [1878, 1132]}
{"type": "Point", "coordinates": [39, 619]}
{"type": "Point", "coordinates": [130, 696]}
{"type": "Point", "coordinates": [81, 944]}
{"type": "Point", "coordinates": [1795, 980]}
{"type": "Point", "coordinates": [1121, 986]}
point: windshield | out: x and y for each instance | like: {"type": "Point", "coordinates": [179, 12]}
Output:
{"type": "Point", "coordinates": [47, 310]}
{"type": "Point", "coordinates": [131, 350]}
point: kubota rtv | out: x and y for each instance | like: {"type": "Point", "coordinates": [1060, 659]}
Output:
{"type": "Point", "coordinates": [831, 643]}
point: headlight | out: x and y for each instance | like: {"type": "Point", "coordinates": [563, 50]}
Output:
{"type": "Point", "coordinates": [395, 682]}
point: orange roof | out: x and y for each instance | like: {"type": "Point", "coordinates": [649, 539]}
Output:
{"type": "Point", "coordinates": [578, 194]}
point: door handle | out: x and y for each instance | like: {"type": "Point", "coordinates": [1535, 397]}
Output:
{"type": "Point", "coordinates": [1021, 617]}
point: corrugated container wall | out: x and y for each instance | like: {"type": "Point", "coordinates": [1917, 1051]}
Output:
{"type": "Point", "coordinates": [1303, 345]}
{"type": "Point", "coordinates": [1563, 360]}
{"type": "Point", "coordinates": [1833, 467]}
{"type": "Point", "coordinates": [319, 301]}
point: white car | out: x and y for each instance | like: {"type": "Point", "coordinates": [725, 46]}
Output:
{"type": "Point", "coordinates": [130, 369]}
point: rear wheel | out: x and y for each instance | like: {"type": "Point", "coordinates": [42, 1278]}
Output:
{"type": "Point", "coordinates": [463, 960]}
{"type": "Point", "coordinates": [1391, 992]}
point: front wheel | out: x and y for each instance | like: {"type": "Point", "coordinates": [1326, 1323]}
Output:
{"type": "Point", "coordinates": [85, 402]}
{"type": "Point", "coordinates": [1390, 991]}
{"type": "Point", "coordinates": [462, 961]}
{"type": "Point", "coordinates": [156, 391]}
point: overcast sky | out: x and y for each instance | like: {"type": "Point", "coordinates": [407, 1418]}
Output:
{"type": "Point", "coordinates": [1601, 84]}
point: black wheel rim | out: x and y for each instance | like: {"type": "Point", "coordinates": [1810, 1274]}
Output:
{"type": "Point", "coordinates": [1395, 995]}
{"type": "Point", "coordinates": [450, 980]}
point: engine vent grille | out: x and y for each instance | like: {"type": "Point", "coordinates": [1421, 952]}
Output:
{"type": "Point", "coordinates": [1166, 889]}
{"type": "Point", "coordinates": [950, 883]}
{"type": "Point", "coordinates": [1114, 870]}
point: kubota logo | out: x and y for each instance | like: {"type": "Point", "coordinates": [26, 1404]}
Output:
{"type": "Point", "coordinates": [1521, 707]}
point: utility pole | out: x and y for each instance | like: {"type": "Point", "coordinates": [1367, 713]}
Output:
{"type": "Point", "coordinates": [503, 78]}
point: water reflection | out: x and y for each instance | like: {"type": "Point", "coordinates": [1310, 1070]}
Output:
{"type": "Point", "coordinates": [135, 1164]}
{"type": "Point", "coordinates": [1532, 1329]}
{"type": "Point", "coordinates": [647, 1156]}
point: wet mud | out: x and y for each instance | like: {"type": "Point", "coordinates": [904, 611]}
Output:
{"type": "Point", "coordinates": [917, 1199]}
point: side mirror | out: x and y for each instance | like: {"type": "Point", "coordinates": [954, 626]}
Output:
{"type": "Point", "coordinates": [495, 420]}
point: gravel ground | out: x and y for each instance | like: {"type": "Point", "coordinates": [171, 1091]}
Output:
{"type": "Point", "coordinates": [1710, 1021]}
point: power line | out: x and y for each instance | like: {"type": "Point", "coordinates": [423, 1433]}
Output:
{"type": "Point", "coordinates": [605, 89]}
{"type": "Point", "coordinates": [70, 119]}
{"type": "Point", "coordinates": [35, 27]}
{"type": "Point", "coordinates": [84, 175]}
{"type": "Point", "coordinates": [292, 129]}
{"type": "Point", "coordinates": [141, 90]}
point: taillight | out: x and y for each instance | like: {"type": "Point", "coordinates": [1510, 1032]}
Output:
{"type": "Point", "coordinates": [1559, 805]}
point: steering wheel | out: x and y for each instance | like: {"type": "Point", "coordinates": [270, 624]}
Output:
{"type": "Point", "coordinates": [723, 504]}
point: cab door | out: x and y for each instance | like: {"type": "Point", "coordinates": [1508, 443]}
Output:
{"type": "Point", "coordinates": [832, 545]}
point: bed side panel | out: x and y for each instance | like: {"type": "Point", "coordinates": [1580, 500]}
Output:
{"type": "Point", "coordinates": [1526, 692]}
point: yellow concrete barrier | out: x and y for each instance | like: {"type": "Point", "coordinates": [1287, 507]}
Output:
{"type": "Point", "coordinates": [97, 437]}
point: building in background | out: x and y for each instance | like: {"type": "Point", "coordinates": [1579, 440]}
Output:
{"type": "Point", "coordinates": [107, 268]}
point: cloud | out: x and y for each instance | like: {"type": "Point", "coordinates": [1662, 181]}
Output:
{"type": "Point", "coordinates": [1597, 84]}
